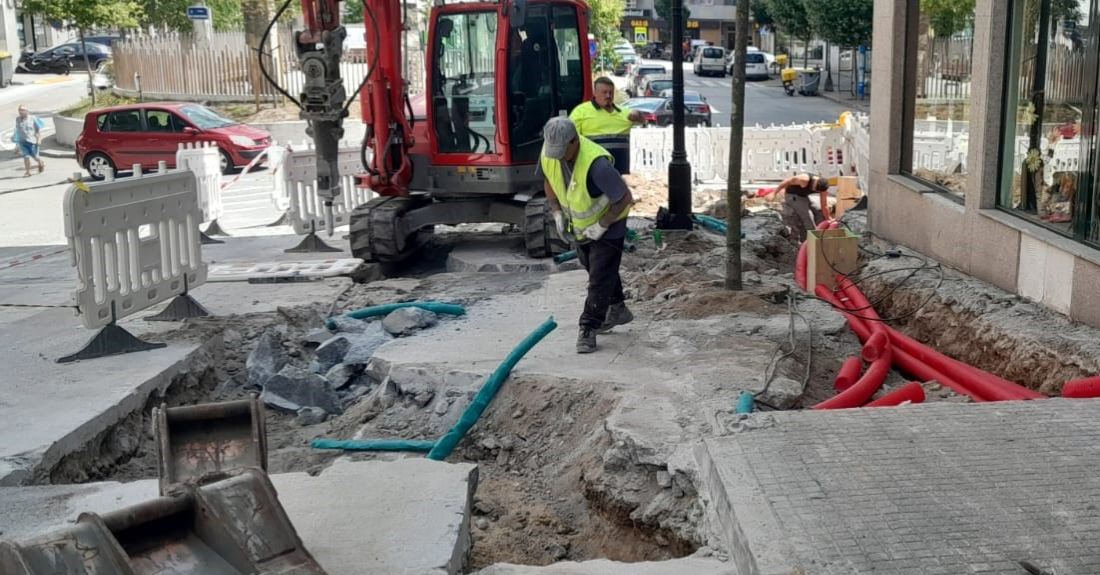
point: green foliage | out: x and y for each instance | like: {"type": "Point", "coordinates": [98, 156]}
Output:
{"type": "Point", "coordinates": [790, 17]}
{"type": "Point", "coordinates": [664, 10]}
{"type": "Point", "coordinates": [87, 14]}
{"type": "Point", "coordinates": [760, 13]}
{"type": "Point", "coordinates": [1059, 10]}
{"type": "Point", "coordinates": [844, 22]}
{"type": "Point", "coordinates": [353, 12]}
{"type": "Point", "coordinates": [104, 100]}
{"type": "Point", "coordinates": [604, 25]}
{"type": "Point", "coordinates": [947, 17]}
{"type": "Point", "coordinates": [173, 13]}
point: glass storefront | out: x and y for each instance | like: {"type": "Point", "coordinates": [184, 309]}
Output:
{"type": "Point", "coordinates": [1049, 164]}
{"type": "Point", "coordinates": [937, 107]}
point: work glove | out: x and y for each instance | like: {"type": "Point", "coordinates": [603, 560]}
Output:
{"type": "Point", "coordinates": [594, 232]}
{"type": "Point", "coordinates": [559, 222]}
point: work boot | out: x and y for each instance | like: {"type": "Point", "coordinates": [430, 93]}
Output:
{"type": "Point", "coordinates": [617, 314]}
{"type": "Point", "coordinates": [586, 341]}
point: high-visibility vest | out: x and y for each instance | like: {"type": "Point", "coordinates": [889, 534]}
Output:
{"type": "Point", "coordinates": [581, 208]}
{"type": "Point", "coordinates": [611, 130]}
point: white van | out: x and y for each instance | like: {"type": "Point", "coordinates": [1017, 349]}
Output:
{"type": "Point", "coordinates": [710, 60]}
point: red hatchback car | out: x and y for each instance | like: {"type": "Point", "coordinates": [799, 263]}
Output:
{"type": "Point", "coordinates": [119, 137]}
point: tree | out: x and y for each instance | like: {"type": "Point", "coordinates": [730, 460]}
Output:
{"type": "Point", "coordinates": [664, 10]}
{"type": "Point", "coordinates": [760, 13]}
{"type": "Point", "coordinates": [87, 14]}
{"type": "Point", "coordinates": [844, 22]}
{"type": "Point", "coordinates": [353, 12]}
{"type": "Point", "coordinates": [947, 17]}
{"type": "Point", "coordinates": [604, 25]}
{"type": "Point", "coordinates": [790, 16]}
{"type": "Point", "coordinates": [172, 14]}
{"type": "Point", "coordinates": [737, 142]}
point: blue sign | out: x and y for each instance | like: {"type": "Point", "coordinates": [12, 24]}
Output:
{"type": "Point", "coordinates": [592, 48]}
{"type": "Point", "coordinates": [198, 13]}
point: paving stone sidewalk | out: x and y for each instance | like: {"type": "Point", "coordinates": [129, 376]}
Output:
{"type": "Point", "coordinates": [928, 489]}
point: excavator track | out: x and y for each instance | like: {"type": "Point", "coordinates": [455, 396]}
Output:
{"type": "Point", "coordinates": [378, 231]}
{"type": "Point", "coordinates": [539, 232]}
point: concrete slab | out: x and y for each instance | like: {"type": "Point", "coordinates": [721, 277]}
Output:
{"type": "Point", "coordinates": [928, 489]}
{"type": "Point", "coordinates": [49, 410]}
{"type": "Point", "coordinates": [605, 567]}
{"type": "Point", "coordinates": [502, 254]}
{"type": "Point", "coordinates": [406, 517]}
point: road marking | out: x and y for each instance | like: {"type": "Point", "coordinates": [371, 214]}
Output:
{"type": "Point", "coordinates": [58, 80]}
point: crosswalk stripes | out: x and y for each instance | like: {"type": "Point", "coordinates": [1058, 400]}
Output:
{"type": "Point", "coordinates": [695, 83]}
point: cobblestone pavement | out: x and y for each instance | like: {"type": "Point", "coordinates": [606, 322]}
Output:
{"type": "Point", "coordinates": [929, 489]}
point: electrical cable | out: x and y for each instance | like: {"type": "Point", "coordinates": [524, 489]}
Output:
{"type": "Point", "coordinates": [773, 364]}
{"type": "Point", "coordinates": [260, 50]}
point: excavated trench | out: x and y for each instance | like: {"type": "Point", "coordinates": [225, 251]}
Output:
{"type": "Point", "coordinates": [556, 482]}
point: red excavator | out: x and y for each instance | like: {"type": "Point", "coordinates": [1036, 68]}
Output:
{"type": "Point", "coordinates": [495, 73]}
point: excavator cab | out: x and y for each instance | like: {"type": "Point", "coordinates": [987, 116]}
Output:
{"type": "Point", "coordinates": [496, 73]}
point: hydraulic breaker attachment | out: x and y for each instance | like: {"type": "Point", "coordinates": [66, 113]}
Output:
{"type": "Point", "coordinates": [235, 526]}
{"type": "Point", "coordinates": [199, 443]}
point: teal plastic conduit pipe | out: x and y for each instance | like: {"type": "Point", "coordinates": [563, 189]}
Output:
{"type": "Point", "coordinates": [745, 402]}
{"type": "Point", "coordinates": [375, 445]}
{"type": "Point", "coordinates": [377, 310]}
{"type": "Point", "coordinates": [566, 256]}
{"type": "Point", "coordinates": [485, 396]}
{"type": "Point", "coordinates": [713, 224]}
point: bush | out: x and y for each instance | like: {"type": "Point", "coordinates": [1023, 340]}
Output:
{"type": "Point", "coordinates": [105, 99]}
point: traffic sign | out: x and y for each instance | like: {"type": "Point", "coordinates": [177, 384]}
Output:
{"type": "Point", "coordinates": [198, 13]}
{"type": "Point", "coordinates": [592, 48]}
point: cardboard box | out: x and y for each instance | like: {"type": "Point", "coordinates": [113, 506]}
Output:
{"type": "Point", "coordinates": [829, 253]}
{"type": "Point", "coordinates": [848, 195]}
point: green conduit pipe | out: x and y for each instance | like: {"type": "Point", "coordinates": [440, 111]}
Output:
{"type": "Point", "coordinates": [564, 257]}
{"type": "Point", "coordinates": [713, 224]}
{"type": "Point", "coordinates": [375, 445]}
{"type": "Point", "coordinates": [377, 310]}
{"type": "Point", "coordinates": [448, 442]}
{"type": "Point", "coordinates": [745, 402]}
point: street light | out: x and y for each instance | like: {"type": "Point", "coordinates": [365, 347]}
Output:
{"type": "Point", "coordinates": [678, 215]}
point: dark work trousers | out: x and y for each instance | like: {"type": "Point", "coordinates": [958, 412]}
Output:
{"type": "Point", "coordinates": [605, 287]}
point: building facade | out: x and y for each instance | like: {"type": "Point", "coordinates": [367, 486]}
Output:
{"type": "Point", "coordinates": [710, 20]}
{"type": "Point", "coordinates": [984, 145]}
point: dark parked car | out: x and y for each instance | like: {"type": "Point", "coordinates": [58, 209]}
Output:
{"type": "Point", "coordinates": [695, 102]}
{"type": "Point", "coordinates": [117, 138]}
{"type": "Point", "coordinates": [72, 52]}
{"type": "Point", "coordinates": [640, 72]}
{"type": "Point", "coordinates": [103, 39]}
{"type": "Point", "coordinates": [655, 84]}
{"type": "Point", "coordinates": [658, 111]}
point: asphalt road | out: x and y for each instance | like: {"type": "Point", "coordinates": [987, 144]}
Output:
{"type": "Point", "coordinates": [765, 101]}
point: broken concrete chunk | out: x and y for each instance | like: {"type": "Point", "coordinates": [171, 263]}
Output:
{"type": "Point", "coordinates": [441, 407]}
{"type": "Point", "coordinates": [331, 353]}
{"type": "Point", "coordinates": [266, 360]}
{"type": "Point", "coordinates": [407, 320]}
{"type": "Point", "coordinates": [316, 337]}
{"type": "Point", "coordinates": [364, 345]}
{"type": "Point", "coordinates": [294, 388]}
{"type": "Point", "coordinates": [345, 324]}
{"type": "Point", "coordinates": [340, 375]}
{"type": "Point", "coordinates": [664, 479]}
{"type": "Point", "coordinates": [311, 416]}
{"type": "Point", "coordinates": [783, 393]}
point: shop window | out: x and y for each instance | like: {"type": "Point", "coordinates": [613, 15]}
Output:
{"type": "Point", "coordinates": [1049, 162]}
{"type": "Point", "coordinates": [938, 90]}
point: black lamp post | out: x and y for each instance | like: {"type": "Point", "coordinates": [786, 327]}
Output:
{"type": "Point", "coordinates": [678, 216]}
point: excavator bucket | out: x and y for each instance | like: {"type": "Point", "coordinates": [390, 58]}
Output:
{"type": "Point", "coordinates": [197, 443]}
{"type": "Point", "coordinates": [235, 526]}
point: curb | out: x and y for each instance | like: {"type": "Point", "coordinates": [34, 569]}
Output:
{"type": "Point", "coordinates": [61, 154]}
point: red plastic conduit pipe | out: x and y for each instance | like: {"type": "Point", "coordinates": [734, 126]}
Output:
{"type": "Point", "coordinates": [875, 344]}
{"type": "Point", "coordinates": [862, 390]}
{"type": "Point", "coordinates": [988, 385]}
{"type": "Point", "coordinates": [1082, 388]}
{"type": "Point", "coordinates": [912, 392]}
{"type": "Point", "coordinates": [902, 360]}
{"type": "Point", "coordinates": [849, 373]}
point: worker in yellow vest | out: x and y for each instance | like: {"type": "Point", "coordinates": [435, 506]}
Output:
{"type": "Point", "coordinates": [589, 202]}
{"type": "Point", "coordinates": [607, 124]}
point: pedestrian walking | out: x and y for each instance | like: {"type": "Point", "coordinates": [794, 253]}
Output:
{"type": "Point", "coordinates": [28, 133]}
{"type": "Point", "coordinates": [799, 214]}
{"type": "Point", "coordinates": [589, 202]}
{"type": "Point", "coordinates": [606, 124]}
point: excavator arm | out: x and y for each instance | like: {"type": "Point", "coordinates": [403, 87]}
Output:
{"type": "Point", "coordinates": [324, 102]}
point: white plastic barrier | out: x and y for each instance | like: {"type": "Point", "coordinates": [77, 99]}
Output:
{"type": "Point", "coordinates": [134, 243]}
{"type": "Point", "coordinates": [768, 153]}
{"type": "Point", "coordinates": [299, 176]}
{"type": "Point", "coordinates": [204, 160]}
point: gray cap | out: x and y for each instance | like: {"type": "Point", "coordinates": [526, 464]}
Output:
{"type": "Point", "coordinates": [557, 134]}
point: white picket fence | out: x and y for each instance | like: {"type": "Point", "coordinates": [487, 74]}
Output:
{"type": "Point", "coordinates": [134, 243]}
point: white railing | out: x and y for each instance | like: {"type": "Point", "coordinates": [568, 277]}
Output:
{"type": "Point", "coordinates": [204, 161]}
{"type": "Point", "coordinates": [134, 243]}
{"type": "Point", "coordinates": [296, 185]}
